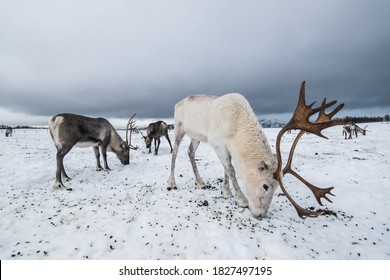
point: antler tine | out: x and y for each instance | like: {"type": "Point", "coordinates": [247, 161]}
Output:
{"type": "Point", "coordinates": [300, 120]}
{"type": "Point", "coordinates": [302, 213]}
{"type": "Point", "coordinates": [318, 192]}
{"type": "Point", "coordinates": [303, 112]}
{"type": "Point", "coordinates": [323, 117]}
{"type": "Point", "coordinates": [129, 126]}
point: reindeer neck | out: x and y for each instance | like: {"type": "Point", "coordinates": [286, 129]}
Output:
{"type": "Point", "coordinates": [250, 147]}
{"type": "Point", "coordinates": [116, 140]}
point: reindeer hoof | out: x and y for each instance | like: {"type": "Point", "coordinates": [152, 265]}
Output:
{"type": "Point", "coordinates": [226, 194]}
{"type": "Point", "coordinates": [200, 184]}
{"type": "Point", "coordinates": [242, 202]}
{"type": "Point", "coordinates": [58, 185]}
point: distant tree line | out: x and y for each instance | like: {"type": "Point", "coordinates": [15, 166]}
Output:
{"type": "Point", "coordinates": [2, 126]}
{"type": "Point", "coordinates": [386, 118]}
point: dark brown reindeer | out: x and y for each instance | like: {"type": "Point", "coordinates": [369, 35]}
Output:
{"type": "Point", "coordinates": [69, 130]}
{"type": "Point", "coordinates": [155, 131]}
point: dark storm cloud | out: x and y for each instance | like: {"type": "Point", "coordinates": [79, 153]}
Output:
{"type": "Point", "coordinates": [112, 58]}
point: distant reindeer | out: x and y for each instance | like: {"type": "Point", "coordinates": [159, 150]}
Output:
{"type": "Point", "coordinates": [353, 129]}
{"type": "Point", "coordinates": [155, 131]}
{"type": "Point", "coordinates": [8, 131]}
{"type": "Point", "coordinates": [358, 129]}
{"type": "Point", "coordinates": [68, 130]}
{"type": "Point", "coordinates": [348, 130]}
{"type": "Point", "coordinates": [230, 126]}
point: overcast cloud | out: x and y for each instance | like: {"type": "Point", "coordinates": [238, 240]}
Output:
{"type": "Point", "coordinates": [114, 58]}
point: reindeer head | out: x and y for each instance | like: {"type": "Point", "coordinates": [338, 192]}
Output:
{"type": "Point", "coordinates": [300, 120]}
{"type": "Point", "coordinates": [261, 188]}
{"type": "Point", "coordinates": [123, 153]}
{"type": "Point", "coordinates": [364, 130]}
{"type": "Point", "coordinates": [147, 139]}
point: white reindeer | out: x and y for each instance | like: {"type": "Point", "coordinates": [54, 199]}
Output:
{"type": "Point", "coordinates": [229, 125]}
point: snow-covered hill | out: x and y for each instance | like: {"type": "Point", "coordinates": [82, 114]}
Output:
{"type": "Point", "coordinates": [128, 213]}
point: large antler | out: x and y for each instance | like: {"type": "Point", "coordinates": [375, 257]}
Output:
{"type": "Point", "coordinates": [300, 120]}
{"type": "Point", "coordinates": [130, 126]}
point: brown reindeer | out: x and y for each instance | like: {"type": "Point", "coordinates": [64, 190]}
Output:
{"type": "Point", "coordinates": [155, 131]}
{"type": "Point", "coordinates": [69, 130]}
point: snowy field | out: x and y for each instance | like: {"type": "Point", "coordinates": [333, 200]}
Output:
{"type": "Point", "coordinates": [127, 213]}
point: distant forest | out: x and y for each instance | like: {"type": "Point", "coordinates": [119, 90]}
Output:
{"type": "Point", "coordinates": [2, 126]}
{"type": "Point", "coordinates": [386, 118]}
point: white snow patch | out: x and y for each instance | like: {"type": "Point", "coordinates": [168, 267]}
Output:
{"type": "Point", "coordinates": [127, 213]}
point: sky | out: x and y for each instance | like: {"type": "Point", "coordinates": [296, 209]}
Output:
{"type": "Point", "coordinates": [114, 58]}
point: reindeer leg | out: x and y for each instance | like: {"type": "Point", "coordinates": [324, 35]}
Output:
{"type": "Point", "coordinates": [60, 164]}
{"type": "Point", "coordinates": [97, 155]}
{"type": "Point", "coordinates": [158, 146]}
{"type": "Point", "coordinates": [169, 141]}
{"type": "Point", "coordinates": [60, 168]}
{"type": "Point", "coordinates": [225, 157]}
{"type": "Point", "coordinates": [104, 153]}
{"type": "Point", "coordinates": [191, 153]}
{"type": "Point", "coordinates": [64, 175]}
{"type": "Point", "coordinates": [226, 192]}
{"type": "Point", "coordinates": [179, 134]}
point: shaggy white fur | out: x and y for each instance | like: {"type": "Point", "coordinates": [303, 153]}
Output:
{"type": "Point", "coordinates": [229, 125]}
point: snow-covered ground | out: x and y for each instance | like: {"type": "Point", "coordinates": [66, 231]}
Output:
{"type": "Point", "coordinates": [127, 213]}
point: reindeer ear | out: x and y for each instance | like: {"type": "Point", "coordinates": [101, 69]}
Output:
{"type": "Point", "coordinates": [263, 166]}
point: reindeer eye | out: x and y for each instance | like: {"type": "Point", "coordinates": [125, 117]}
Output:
{"type": "Point", "coordinates": [265, 187]}
{"type": "Point", "coordinates": [126, 151]}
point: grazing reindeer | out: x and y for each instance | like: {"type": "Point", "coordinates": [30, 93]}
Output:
{"type": "Point", "coordinates": [353, 129]}
{"type": "Point", "coordinates": [348, 130]}
{"type": "Point", "coordinates": [229, 125]}
{"type": "Point", "coordinates": [68, 130]}
{"type": "Point", "coordinates": [155, 131]}
{"type": "Point", "coordinates": [8, 131]}
{"type": "Point", "coordinates": [358, 129]}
